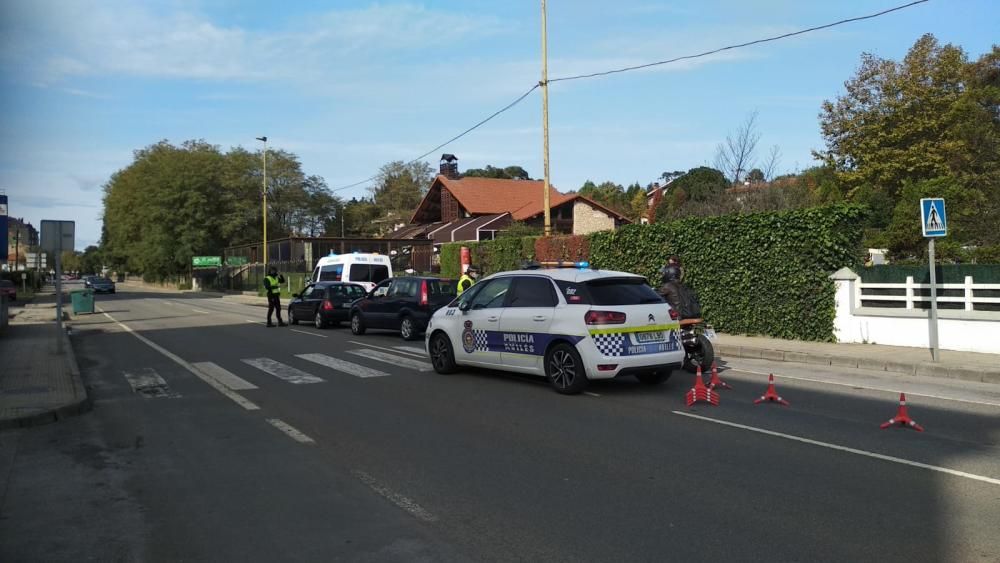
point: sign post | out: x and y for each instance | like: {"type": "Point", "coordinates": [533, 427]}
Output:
{"type": "Point", "coordinates": [56, 236]}
{"type": "Point", "coordinates": [934, 223]}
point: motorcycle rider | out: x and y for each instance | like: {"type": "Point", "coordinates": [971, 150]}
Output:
{"type": "Point", "coordinates": [676, 293]}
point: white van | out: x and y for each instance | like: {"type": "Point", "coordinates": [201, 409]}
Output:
{"type": "Point", "coordinates": [360, 268]}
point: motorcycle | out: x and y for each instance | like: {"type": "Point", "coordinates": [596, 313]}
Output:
{"type": "Point", "coordinates": [697, 337]}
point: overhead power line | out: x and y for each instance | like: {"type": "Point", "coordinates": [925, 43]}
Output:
{"type": "Point", "coordinates": [451, 140]}
{"type": "Point", "coordinates": [638, 67]}
{"type": "Point", "coordinates": [738, 46]}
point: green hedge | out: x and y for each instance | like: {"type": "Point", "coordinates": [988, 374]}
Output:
{"type": "Point", "coordinates": [763, 273]}
{"type": "Point", "coordinates": [451, 260]}
{"type": "Point", "coordinates": [945, 273]}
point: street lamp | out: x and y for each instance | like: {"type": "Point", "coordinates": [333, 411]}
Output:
{"type": "Point", "coordinates": [264, 193]}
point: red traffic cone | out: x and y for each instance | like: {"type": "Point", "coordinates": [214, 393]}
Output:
{"type": "Point", "coordinates": [902, 418]}
{"type": "Point", "coordinates": [700, 393]}
{"type": "Point", "coordinates": [716, 382]}
{"type": "Point", "coordinates": [771, 394]}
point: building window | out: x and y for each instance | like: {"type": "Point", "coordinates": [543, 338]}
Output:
{"type": "Point", "coordinates": [487, 235]}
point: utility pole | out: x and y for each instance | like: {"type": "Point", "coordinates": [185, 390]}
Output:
{"type": "Point", "coordinates": [544, 83]}
{"type": "Point", "coordinates": [264, 193]}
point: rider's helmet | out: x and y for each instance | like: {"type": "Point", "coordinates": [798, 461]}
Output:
{"type": "Point", "coordinates": [670, 273]}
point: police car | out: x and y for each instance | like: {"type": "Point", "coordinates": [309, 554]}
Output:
{"type": "Point", "coordinates": [570, 325]}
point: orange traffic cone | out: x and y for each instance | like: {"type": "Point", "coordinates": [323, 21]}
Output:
{"type": "Point", "coordinates": [902, 418]}
{"type": "Point", "coordinates": [771, 394]}
{"type": "Point", "coordinates": [700, 393]}
{"type": "Point", "coordinates": [716, 383]}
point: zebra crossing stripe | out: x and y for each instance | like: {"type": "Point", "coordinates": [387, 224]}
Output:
{"type": "Point", "coordinates": [391, 359]}
{"type": "Point", "coordinates": [411, 349]}
{"type": "Point", "coordinates": [224, 376]}
{"type": "Point", "coordinates": [149, 384]}
{"type": "Point", "coordinates": [349, 368]}
{"type": "Point", "coordinates": [281, 371]}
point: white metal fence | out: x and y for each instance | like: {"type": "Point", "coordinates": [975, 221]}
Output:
{"type": "Point", "coordinates": [967, 296]}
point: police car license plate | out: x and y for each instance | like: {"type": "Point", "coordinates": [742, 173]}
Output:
{"type": "Point", "coordinates": [647, 337]}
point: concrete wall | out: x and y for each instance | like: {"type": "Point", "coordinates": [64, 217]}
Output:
{"type": "Point", "coordinates": [587, 220]}
{"type": "Point", "coordinates": [968, 331]}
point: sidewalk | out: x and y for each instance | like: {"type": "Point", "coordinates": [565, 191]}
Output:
{"type": "Point", "coordinates": [967, 366]}
{"type": "Point", "coordinates": [39, 378]}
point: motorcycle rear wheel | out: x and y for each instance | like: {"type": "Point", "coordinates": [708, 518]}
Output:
{"type": "Point", "coordinates": [702, 356]}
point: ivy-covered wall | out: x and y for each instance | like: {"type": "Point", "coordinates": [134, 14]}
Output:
{"type": "Point", "coordinates": [764, 273]}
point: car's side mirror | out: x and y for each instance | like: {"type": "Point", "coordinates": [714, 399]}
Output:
{"type": "Point", "coordinates": [465, 306]}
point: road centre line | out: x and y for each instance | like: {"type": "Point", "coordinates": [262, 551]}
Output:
{"type": "Point", "coordinates": [309, 333]}
{"type": "Point", "coordinates": [874, 455]}
{"type": "Point", "coordinates": [395, 498]}
{"type": "Point", "coordinates": [862, 386]}
{"type": "Point", "coordinates": [421, 356]}
{"type": "Point", "coordinates": [236, 397]}
{"type": "Point", "coordinates": [290, 431]}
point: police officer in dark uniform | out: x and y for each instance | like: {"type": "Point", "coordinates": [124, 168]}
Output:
{"type": "Point", "coordinates": [272, 283]}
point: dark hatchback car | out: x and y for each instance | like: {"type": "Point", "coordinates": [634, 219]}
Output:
{"type": "Point", "coordinates": [324, 303]}
{"type": "Point", "coordinates": [405, 304]}
{"type": "Point", "coordinates": [102, 285]}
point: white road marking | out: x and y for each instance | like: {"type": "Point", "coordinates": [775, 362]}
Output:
{"type": "Point", "coordinates": [396, 498]}
{"type": "Point", "coordinates": [349, 368]}
{"type": "Point", "coordinates": [591, 394]}
{"type": "Point", "coordinates": [255, 322]}
{"type": "Point", "coordinates": [290, 431]}
{"type": "Point", "coordinates": [309, 333]}
{"type": "Point", "coordinates": [869, 387]}
{"type": "Point", "coordinates": [412, 350]}
{"type": "Point", "coordinates": [882, 457]}
{"type": "Point", "coordinates": [201, 311]}
{"type": "Point", "coordinates": [236, 397]}
{"type": "Point", "coordinates": [391, 359]}
{"type": "Point", "coordinates": [149, 384]}
{"type": "Point", "coordinates": [421, 355]}
{"type": "Point", "coordinates": [281, 371]}
{"type": "Point", "coordinates": [224, 376]}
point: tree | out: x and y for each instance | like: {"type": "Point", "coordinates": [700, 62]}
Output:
{"type": "Point", "coordinates": [736, 155]}
{"type": "Point", "coordinates": [701, 183]}
{"type": "Point", "coordinates": [399, 187]}
{"type": "Point", "coordinates": [771, 163]}
{"type": "Point", "coordinates": [91, 262]}
{"type": "Point", "coordinates": [668, 177]}
{"type": "Point", "coordinates": [756, 176]}
{"type": "Point", "coordinates": [70, 261]}
{"type": "Point", "coordinates": [506, 173]}
{"type": "Point", "coordinates": [608, 194]}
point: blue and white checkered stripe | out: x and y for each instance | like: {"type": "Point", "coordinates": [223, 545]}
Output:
{"type": "Point", "coordinates": [482, 344]}
{"type": "Point", "coordinates": [610, 344]}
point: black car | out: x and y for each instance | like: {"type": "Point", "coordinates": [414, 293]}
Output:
{"type": "Point", "coordinates": [405, 304]}
{"type": "Point", "coordinates": [102, 285]}
{"type": "Point", "coordinates": [324, 303]}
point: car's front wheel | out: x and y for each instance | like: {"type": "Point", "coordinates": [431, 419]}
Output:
{"type": "Point", "coordinates": [291, 316]}
{"type": "Point", "coordinates": [442, 356]}
{"type": "Point", "coordinates": [564, 369]}
{"type": "Point", "coordinates": [357, 323]}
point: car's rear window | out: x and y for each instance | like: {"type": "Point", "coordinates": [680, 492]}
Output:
{"type": "Point", "coordinates": [621, 291]}
{"type": "Point", "coordinates": [441, 287]}
{"type": "Point", "coordinates": [6, 283]}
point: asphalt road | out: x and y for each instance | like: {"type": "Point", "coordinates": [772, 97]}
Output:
{"type": "Point", "coordinates": [351, 448]}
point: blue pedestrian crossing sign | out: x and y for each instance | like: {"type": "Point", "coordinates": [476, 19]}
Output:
{"type": "Point", "coordinates": [932, 217]}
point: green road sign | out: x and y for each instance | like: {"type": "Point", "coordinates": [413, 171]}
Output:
{"type": "Point", "coordinates": [236, 260]}
{"type": "Point", "coordinates": [206, 261]}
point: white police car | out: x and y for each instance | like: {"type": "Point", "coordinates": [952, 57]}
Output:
{"type": "Point", "coordinates": [570, 325]}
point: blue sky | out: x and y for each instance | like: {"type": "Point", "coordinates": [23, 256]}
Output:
{"type": "Point", "coordinates": [349, 86]}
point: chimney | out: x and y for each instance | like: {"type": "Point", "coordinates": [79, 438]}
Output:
{"type": "Point", "coordinates": [449, 166]}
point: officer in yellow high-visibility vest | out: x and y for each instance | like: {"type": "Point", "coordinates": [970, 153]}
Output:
{"type": "Point", "coordinates": [468, 279]}
{"type": "Point", "coordinates": [272, 283]}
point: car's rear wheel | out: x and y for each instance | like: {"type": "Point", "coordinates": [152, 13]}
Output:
{"type": "Point", "coordinates": [357, 323]}
{"type": "Point", "coordinates": [407, 328]}
{"type": "Point", "coordinates": [653, 378]}
{"type": "Point", "coordinates": [318, 321]}
{"type": "Point", "coordinates": [442, 356]}
{"type": "Point", "coordinates": [291, 316]}
{"type": "Point", "coordinates": [564, 369]}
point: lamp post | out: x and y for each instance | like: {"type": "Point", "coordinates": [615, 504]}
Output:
{"type": "Point", "coordinates": [264, 193]}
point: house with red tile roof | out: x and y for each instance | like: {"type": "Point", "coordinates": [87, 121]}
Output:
{"type": "Point", "coordinates": [458, 208]}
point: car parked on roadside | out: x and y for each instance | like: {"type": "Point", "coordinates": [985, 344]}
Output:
{"type": "Point", "coordinates": [9, 289]}
{"type": "Point", "coordinates": [102, 285]}
{"type": "Point", "coordinates": [569, 325]}
{"type": "Point", "coordinates": [88, 279]}
{"type": "Point", "coordinates": [324, 303]}
{"type": "Point", "coordinates": [402, 304]}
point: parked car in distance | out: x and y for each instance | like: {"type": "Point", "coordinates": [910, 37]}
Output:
{"type": "Point", "coordinates": [102, 285]}
{"type": "Point", "coordinates": [405, 304]}
{"type": "Point", "coordinates": [9, 289]}
{"type": "Point", "coordinates": [324, 303]}
{"type": "Point", "coordinates": [87, 280]}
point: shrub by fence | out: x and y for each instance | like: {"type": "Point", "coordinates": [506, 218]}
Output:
{"type": "Point", "coordinates": [763, 273]}
{"type": "Point", "coordinates": [945, 273]}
